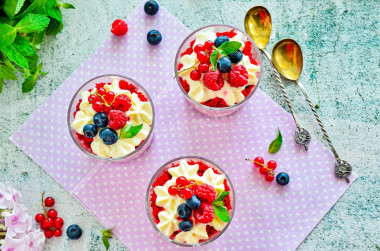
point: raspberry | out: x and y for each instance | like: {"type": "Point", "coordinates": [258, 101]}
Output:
{"type": "Point", "coordinates": [184, 84]}
{"type": "Point", "coordinates": [142, 97]}
{"type": "Point", "coordinates": [119, 27]}
{"type": "Point", "coordinates": [78, 105]}
{"type": "Point", "coordinates": [204, 214]}
{"type": "Point", "coordinates": [118, 119]}
{"type": "Point", "coordinates": [229, 34]}
{"type": "Point", "coordinates": [206, 193]}
{"type": "Point", "coordinates": [189, 50]}
{"type": "Point", "coordinates": [122, 103]}
{"type": "Point", "coordinates": [213, 80]}
{"type": "Point", "coordinates": [238, 76]}
{"type": "Point", "coordinates": [100, 85]}
{"type": "Point", "coordinates": [124, 85]}
{"type": "Point", "coordinates": [179, 67]}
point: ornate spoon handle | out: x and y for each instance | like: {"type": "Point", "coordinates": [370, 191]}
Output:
{"type": "Point", "coordinates": [302, 136]}
{"type": "Point", "coordinates": [342, 168]}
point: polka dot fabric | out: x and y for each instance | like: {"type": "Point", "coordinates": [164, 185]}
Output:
{"type": "Point", "coordinates": [267, 216]}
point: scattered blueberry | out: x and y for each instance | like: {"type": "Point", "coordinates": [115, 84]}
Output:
{"type": "Point", "coordinates": [282, 179]}
{"type": "Point", "coordinates": [154, 37]}
{"type": "Point", "coordinates": [90, 130]}
{"type": "Point", "coordinates": [185, 225]}
{"type": "Point", "coordinates": [194, 202]}
{"type": "Point", "coordinates": [183, 211]}
{"type": "Point", "coordinates": [151, 8]}
{"type": "Point", "coordinates": [236, 56]}
{"type": "Point", "coordinates": [100, 119]}
{"type": "Point", "coordinates": [220, 40]}
{"type": "Point", "coordinates": [74, 232]}
{"type": "Point", "coordinates": [224, 64]}
{"type": "Point", "coordinates": [108, 135]}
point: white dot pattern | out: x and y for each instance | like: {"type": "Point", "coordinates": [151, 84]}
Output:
{"type": "Point", "coordinates": [267, 216]}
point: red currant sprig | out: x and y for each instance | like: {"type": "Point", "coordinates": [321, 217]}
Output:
{"type": "Point", "coordinates": [266, 170]}
{"type": "Point", "coordinates": [185, 188]}
{"type": "Point", "coordinates": [49, 220]}
{"type": "Point", "coordinates": [102, 100]}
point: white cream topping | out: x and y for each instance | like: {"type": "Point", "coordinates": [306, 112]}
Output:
{"type": "Point", "coordinates": [170, 203]}
{"type": "Point", "coordinates": [199, 92]}
{"type": "Point", "coordinates": [139, 113]}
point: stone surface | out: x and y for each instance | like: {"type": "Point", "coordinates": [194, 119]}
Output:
{"type": "Point", "coordinates": [340, 41]}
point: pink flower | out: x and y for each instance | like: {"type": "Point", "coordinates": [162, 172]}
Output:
{"type": "Point", "coordinates": [37, 240]}
{"type": "Point", "coordinates": [8, 196]}
{"type": "Point", "coordinates": [18, 222]}
{"type": "Point", "coordinates": [11, 244]}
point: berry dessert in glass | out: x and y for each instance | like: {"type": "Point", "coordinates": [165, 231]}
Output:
{"type": "Point", "coordinates": [111, 118]}
{"type": "Point", "coordinates": [190, 201]}
{"type": "Point", "coordinates": [218, 68]}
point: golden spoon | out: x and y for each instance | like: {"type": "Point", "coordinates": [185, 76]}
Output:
{"type": "Point", "coordinates": [258, 25]}
{"type": "Point", "coordinates": [288, 59]}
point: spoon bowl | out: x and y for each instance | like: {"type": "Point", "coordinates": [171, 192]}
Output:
{"type": "Point", "coordinates": [288, 59]}
{"type": "Point", "coordinates": [258, 25]}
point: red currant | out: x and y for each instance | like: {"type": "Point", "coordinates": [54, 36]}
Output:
{"type": "Point", "coordinates": [39, 218]}
{"type": "Point", "coordinates": [259, 160]}
{"type": "Point", "coordinates": [203, 57]}
{"type": "Point", "coordinates": [208, 45]}
{"type": "Point", "coordinates": [202, 68]}
{"type": "Point", "coordinates": [92, 98]}
{"type": "Point", "coordinates": [49, 202]}
{"type": "Point", "coordinates": [52, 213]}
{"type": "Point", "coordinates": [195, 75]}
{"type": "Point", "coordinates": [269, 177]}
{"type": "Point", "coordinates": [110, 96]}
{"type": "Point", "coordinates": [47, 223]}
{"type": "Point", "coordinates": [98, 106]}
{"type": "Point", "coordinates": [187, 193]}
{"type": "Point", "coordinates": [263, 170]}
{"type": "Point", "coordinates": [57, 232]}
{"type": "Point", "coordinates": [192, 185]}
{"type": "Point", "coordinates": [272, 164]}
{"type": "Point", "coordinates": [58, 222]}
{"type": "Point", "coordinates": [102, 91]}
{"type": "Point", "coordinates": [198, 48]}
{"type": "Point", "coordinates": [172, 190]}
{"type": "Point", "coordinates": [182, 181]}
{"type": "Point", "coordinates": [48, 233]}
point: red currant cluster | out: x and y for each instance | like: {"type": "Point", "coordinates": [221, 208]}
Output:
{"type": "Point", "coordinates": [203, 55]}
{"type": "Point", "coordinates": [267, 170]}
{"type": "Point", "coordinates": [184, 188]}
{"type": "Point", "coordinates": [50, 223]}
{"type": "Point", "coordinates": [102, 100]}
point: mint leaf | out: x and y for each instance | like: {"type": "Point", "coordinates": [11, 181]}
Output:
{"type": "Point", "coordinates": [54, 27]}
{"type": "Point", "coordinates": [68, 6]}
{"type": "Point", "coordinates": [15, 56]}
{"type": "Point", "coordinates": [222, 196]}
{"type": "Point", "coordinates": [7, 73]}
{"type": "Point", "coordinates": [229, 47]}
{"type": "Point", "coordinates": [106, 243]}
{"type": "Point", "coordinates": [36, 38]}
{"type": "Point", "coordinates": [32, 23]}
{"type": "Point", "coordinates": [214, 59]}
{"type": "Point", "coordinates": [222, 213]}
{"type": "Point", "coordinates": [217, 203]}
{"type": "Point", "coordinates": [24, 47]}
{"type": "Point", "coordinates": [7, 35]}
{"type": "Point", "coordinates": [12, 7]}
{"type": "Point", "coordinates": [1, 85]}
{"type": "Point", "coordinates": [130, 131]}
{"type": "Point", "coordinates": [276, 143]}
{"type": "Point", "coordinates": [106, 234]}
{"type": "Point", "coordinates": [30, 82]}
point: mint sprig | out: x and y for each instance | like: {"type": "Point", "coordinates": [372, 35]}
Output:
{"type": "Point", "coordinates": [225, 49]}
{"type": "Point", "coordinates": [219, 209]}
{"type": "Point", "coordinates": [276, 143]}
{"type": "Point", "coordinates": [106, 235]}
{"type": "Point", "coordinates": [129, 131]}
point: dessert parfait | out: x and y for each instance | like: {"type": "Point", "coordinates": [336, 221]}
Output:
{"type": "Point", "coordinates": [111, 117]}
{"type": "Point", "coordinates": [218, 68]}
{"type": "Point", "coordinates": [190, 201]}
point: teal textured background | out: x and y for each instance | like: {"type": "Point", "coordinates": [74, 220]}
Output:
{"type": "Point", "coordinates": [340, 42]}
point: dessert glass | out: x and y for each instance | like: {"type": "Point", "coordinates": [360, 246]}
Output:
{"type": "Point", "coordinates": [217, 111]}
{"type": "Point", "coordinates": [91, 84]}
{"type": "Point", "coordinates": [168, 165]}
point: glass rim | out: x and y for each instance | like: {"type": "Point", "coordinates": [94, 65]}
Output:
{"type": "Point", "coordinates": [147, 200]}
{"type": "Point", "coordinates": [210, 107]}
{"type": "Point", "coordinates": [96, 156]}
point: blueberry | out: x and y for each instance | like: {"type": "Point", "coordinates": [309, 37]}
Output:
{"type": "Point", "coordinates": [236, 56]}
{"type": "Point", "coordinates": [108, 135]}
{"type": "Point", "coordinates": [151, 8]}
{"type": "Point", "coordinates": [183, 211]}
{"type": "Point", "coordinates": [90, 130]}
{"type": "Point", "coordinates": [185, 225]}
{"type": "Point", "coordinates": [74, 232]}
{"type": "Point", "coordinates": [282, 179]}
{"type": "Point", "coordinates": [154, 37]}
{"type": "Point", "coordinates": [194, 202]}
{"type": "Point", "coordinates": [220, 40]}
{"type": "Point", "coordinates": [100, 119]}
{"type": "Point", "coordinates": [224, 64]}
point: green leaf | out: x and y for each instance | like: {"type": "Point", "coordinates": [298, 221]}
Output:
{"type": "Point", "coordinates": [68, 6]}
{"type": "Point", "coordinates": [54, 27]}
{"type": "Point", "coordinates": [214, 59]}
{"type": "Point", "coordinates": [12, 7]}
{"type": "Point", "coordinates": [229, 47]}
{"type": "Point", "coordinates": [36, 38]}
{"type": "Point", "coordinates": [106, 243]}
{"type": "Point", "coordinates": [222, 196]}
{"type": "Point", "coordinates": [32, 23]}
{"type": "Point", "coordinates": [106, 234]}
{"type": "Point", "coordinates": [1, 85]}
{"type": "Point", "coordinates": [15, 56]}
{"type": "Point", "coordinates": [129, 131]}
{"type": "Point", "coordinates": [7, 73]}
{"type": "Point", "coordinates": [276, 143]}
{"type": "Point", "coordinates": [30, 82]}
{"type": "Point", "coordinates": [222, 213]}
{"type": "Point", "coordinates": [7, 35]}
{"type": "Point", "coordinates": [24, 47]}
{"type": "Point", "coordinates": [217, 203]}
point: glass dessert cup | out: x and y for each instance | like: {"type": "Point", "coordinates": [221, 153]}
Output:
{"type": "Point", "coordinates": [218, 111]}
{"type": "Point", "coordinates": [161, 180]}
{"type": "Point", "coordinates": [90, 84]}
